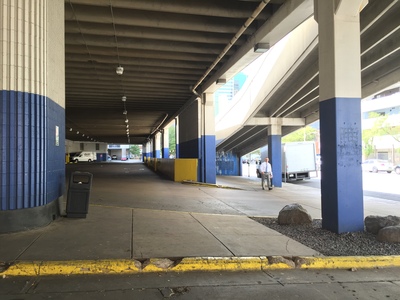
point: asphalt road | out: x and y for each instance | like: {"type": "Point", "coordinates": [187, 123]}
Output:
{"type": "Point", "coordinates": [381, 185]}
{"type": "Point", "coordinates": [279, 284]}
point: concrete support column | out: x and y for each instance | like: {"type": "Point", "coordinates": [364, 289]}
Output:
{"type": "Point", "coordinates": [208, 148]}
{"type": "Point", "coordinates": [340, 114]}
{"type": "Point", "coordinates": [32, 113]}
{"type": "Point", "coordinates": [157, 145]}
{"type": "Point", "coordinates": [149, 149]}
{"type": "Point", "coordinates": [275, 152]}
{"type": "Point", "coordinates": [165, 143]}
{"type": "Point", "coordinates": [197, 136]}
{"type": "Point", "coordinates": [177, 137]}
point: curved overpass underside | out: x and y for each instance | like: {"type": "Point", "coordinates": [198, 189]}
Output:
{"type": "Point", "coordinates": [173, 50]}
{"type": "Point", "coordinates": [295, 96]}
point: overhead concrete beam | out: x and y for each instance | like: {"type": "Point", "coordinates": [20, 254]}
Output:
{"type": "Point", "coordinates": [275, 121]}
{"type": "Point", "coordinates": [152, 19]}
{"type": "Point", "coordinates": [235, 9]}
{"type": "Point", "coordinates": [150, 33]}
{"type": "Point", "coordinates": [380, 31]}
{"type": "Point", "coordinates": [385, 48]}
{"type": "Point", "coordinates": [134, 43]}
{"type": "Point", "coordinates": [373, 12]}
{"type": "Point", "coordinates": [375, 84]}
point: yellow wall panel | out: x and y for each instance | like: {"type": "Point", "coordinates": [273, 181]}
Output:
{"type": "Point", "coordinates": [185, 169]}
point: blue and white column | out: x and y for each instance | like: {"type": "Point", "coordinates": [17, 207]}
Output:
{"type": "Point", "coordinates": [177, 137]}
{"type": "Point", "coordinates": [165, 142]}
{"type": "Point", "coordinates": [197, 136]}
{"type": "Point", "coordinates": [275, 153]}
{"type": "Point", "coordinates": [340, 114]}
{"type": "Point", "coordinates": [208, 149]}
{"type": "Point", "coordinates": [157, 145]}
{"type": "Point", "coordinates": [32, 113]}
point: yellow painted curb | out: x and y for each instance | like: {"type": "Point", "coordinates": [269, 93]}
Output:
{"type": "Point", "coordinates": [36, 268]}
{"type": "Point", "coordinates": [218, 264]}
{"type": "Point", "coordinates": [347, 262]}
{"type": "Point", "coordinates": [40, 268]}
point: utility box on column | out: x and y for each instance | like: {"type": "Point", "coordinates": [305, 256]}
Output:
{"type": "Point", "coordinates": [80, 185]}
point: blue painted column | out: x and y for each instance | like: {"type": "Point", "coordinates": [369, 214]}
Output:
{"type": "Point", "coordinates": [157, 145]}
{"type": "Point", "coordinates": [177, 137]}
{"type": "Point", "coordinates": [150, 146]}
{"type": "Point", "coordinates": [165, 142]}
{"type": "Point", "coordinates": [145, 154]}
{"type": "Point", "coordinates": [208, 150]}
{"type": "Point", "coordinates": [340, 114]}
{"type": "Point", "coordinates": [197, 136]}
{"type": "Point", "coordinates": [147, 150]}
{"type": "Point", "coordinates": [32, 113]}
{"type": "Point", "coordinates": [275, 153]}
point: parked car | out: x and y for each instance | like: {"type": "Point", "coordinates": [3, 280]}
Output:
{"type": "Point", "coordinates": [397, 169]}
{"type": "Point", "coordinates": [114, 157]}
{"type": "Point", "coordinates": [376, 165]}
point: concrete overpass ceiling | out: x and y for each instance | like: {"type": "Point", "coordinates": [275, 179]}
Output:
{"type": "Point", "coordinates": [165, 48]}
{"type": "Point", "coordinates": [297, 94]}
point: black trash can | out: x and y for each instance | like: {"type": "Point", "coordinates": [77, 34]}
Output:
{"type": "Point", "coordinates": [80, 185]}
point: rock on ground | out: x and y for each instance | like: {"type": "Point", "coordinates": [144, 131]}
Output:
{"type": "Point", "coordinates": [294, 214]}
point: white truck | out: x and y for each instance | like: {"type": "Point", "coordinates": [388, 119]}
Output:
{"type": "Point", "coordinates": [298, 160]}
{"type": "Point", "coordinates": [85, 156]}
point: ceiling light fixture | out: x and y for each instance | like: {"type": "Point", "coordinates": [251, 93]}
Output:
{"type": "Point", "coordinates": [119, 70]}
{"type": "Point", "coordinates": [261, 47]}
{"type": "Point", "coordinates": [124, 112]}
{"type": "Point", "coordinates": [123, 98]}
{"type": "Point", "coordinates": [126, 120]}
{"type": "Point", "coordinates": [221, 81]}
{"type": "Point", "coordinates": [70, 129]}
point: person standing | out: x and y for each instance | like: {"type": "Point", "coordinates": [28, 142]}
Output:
{"type": "Point", "coordinates": [266, 174]}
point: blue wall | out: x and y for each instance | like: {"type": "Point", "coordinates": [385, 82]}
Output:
{"type": "Point", "coordinates": [32, 167]}
{"type": "Point", "coordinates": [228, 163]}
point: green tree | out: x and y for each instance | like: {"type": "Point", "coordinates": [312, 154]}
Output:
{"type": "Point", "coordinates": [306, 133]}
{"type": "Point", "coordinates": [380, 127]}
{"type": "Point", "coordinates": [135, 150]}
{"type": "Point", "coordinates": [172, 140]}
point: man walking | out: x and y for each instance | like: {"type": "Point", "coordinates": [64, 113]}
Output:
{"type": "Point", "coordinates": [266, 174]}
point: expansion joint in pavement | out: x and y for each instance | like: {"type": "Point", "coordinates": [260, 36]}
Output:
{"type": "Point", "coordinates": [152, 265]}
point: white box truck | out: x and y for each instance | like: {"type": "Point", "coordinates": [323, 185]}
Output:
{"type": "Point", "coordinates": [298, 160]}
{"type": "Point", "coordinates": [85, 156]}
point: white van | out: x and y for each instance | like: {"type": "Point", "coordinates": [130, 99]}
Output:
{"type": "Point", "coordinates": [85, 156]}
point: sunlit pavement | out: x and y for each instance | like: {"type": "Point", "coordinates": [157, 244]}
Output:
{"type": "Point", "coordinates": [381, 182]}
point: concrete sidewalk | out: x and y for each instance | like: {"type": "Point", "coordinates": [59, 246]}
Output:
{"type": "Point", "coordinates": [139, 222]}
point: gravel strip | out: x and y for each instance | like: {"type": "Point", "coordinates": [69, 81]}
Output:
{"type": "Point", "coordinates": [331, 244]}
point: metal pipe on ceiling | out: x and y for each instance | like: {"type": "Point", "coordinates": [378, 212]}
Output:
{"type": "Point", "coordinates": [162, 122]}
{"type": "Point", "coordinates": [250, 20]}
